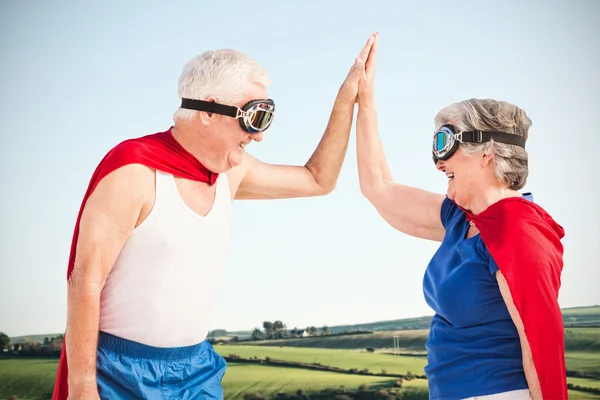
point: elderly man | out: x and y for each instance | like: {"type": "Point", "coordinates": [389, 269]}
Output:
{"type": "Point", "coordinates": [153, 229]}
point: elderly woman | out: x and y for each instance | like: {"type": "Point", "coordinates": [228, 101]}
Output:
{"type": "Point", "coordinates": [493, 282]}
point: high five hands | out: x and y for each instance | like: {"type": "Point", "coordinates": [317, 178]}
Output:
{"type": "Point", "coordinates": [360, 79]}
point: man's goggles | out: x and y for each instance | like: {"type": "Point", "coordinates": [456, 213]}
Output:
{"type": "Point", "coordinates": [446, 140]}
{"type": "Point", "coordinates": [255, 116]}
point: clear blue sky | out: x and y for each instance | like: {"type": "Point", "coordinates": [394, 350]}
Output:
{"type": "Point", "coordinates": [78, 77]}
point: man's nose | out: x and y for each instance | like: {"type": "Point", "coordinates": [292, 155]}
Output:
{"type": "Point", "coordinates": [257, 137]}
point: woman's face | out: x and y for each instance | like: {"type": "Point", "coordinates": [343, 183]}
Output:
{"type": "Point", "coordinates": [466, 176]}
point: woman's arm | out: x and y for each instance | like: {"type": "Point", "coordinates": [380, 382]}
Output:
{"type": "Point", "coordinates": [410, 210]}
{"type": "Point", "coordinates": [528, 366]}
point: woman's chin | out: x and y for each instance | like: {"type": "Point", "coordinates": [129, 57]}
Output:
{"type": "Point", "coordinates": [450, 194]}
{"type": "Point", "coordinates": [458, 199]}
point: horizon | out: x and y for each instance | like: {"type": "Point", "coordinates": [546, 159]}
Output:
{"type": "Point", "coordinates": [300, 327]}
{"type": "Point", "coordinates": [79, 78]}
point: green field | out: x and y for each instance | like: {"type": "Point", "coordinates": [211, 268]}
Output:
{"type": "Point", "coordinates": [576, 316]}
{"type": "Point", "coordinates": [593, 383]}
{"type": "Point", "coordinates": [31, 378]}
{"type": "Point", "coordinates": [587, 362]}
{"type": "Point", "coordinates": [411, 342]}
{"type": "Point", "coordinates": [576, 395]}
{"type": "Point", "coordinates": [241, 379]}
{"type": "Point", "coordinates": [582, 339]}
{"type": "Point", "coordinates": [392, 325]}
{"type": "Point", "coordinates": [581, 316]}
{"type": "Point", "coordinates": [27, 378]}
{"type": "Point", "coordinates": [331, 357]}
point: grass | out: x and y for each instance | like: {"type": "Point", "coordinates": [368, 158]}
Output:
{"type": "Point", "coordinates": [582, 339]}
{"type": "Point", "coordinates": [241, 378]}
{"type": "Point", "coordinates": [411, 342]}
{"type": "Point", "coordinates": [27, 378]}
{"type": "Point", "coordinates": [577, 395]}
{"type": "Point", "coordinates": [591, 383]}
{"type": "Point", "coordinates": [34, 379]}
{"type": "Point", "coordinates": [584, 361]}
{"type": "Point", "coordinates": [397, 324]}
{"type": "Point", "coordinates": [331, 357]}
{"type": "Point", "coordinates": [581, 316]}
{"type": "Point", "coordinates": [577, 316]}
{"type": "Point", "coordinates": [31, 378]}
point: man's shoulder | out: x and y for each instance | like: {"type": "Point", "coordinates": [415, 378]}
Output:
{"type": "Point", "coordinates": [125, 165]}
{"type": "Point", "coordinates": [128, 180]}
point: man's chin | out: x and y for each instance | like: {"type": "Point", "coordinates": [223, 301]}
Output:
{"type": "Point", "coordinates": [233, 162]}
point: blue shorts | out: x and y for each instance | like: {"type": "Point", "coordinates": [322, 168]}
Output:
{"type": "Point", "coordinates": [131, 370]}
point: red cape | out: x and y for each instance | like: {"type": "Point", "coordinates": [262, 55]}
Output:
{"type": "Point", "coordinates": [159, 151]}
{"type": "Point", "coordinates": [525, 242]}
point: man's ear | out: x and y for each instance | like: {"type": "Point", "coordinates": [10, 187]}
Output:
{"type": "Point", "coordinates": [205, 117]}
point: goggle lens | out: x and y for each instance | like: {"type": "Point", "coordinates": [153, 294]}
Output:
{"type": "Point", "coordinates": [443, 140]}
{"type": "Point", "coordinates": [261, 120]}
{"type": "Point", "coordinates": [440, 141]}
{"type": "Point", "coordinates": [259, 117]}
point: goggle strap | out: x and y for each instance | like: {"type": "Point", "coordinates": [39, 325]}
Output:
{"type": "Point", "coordinates": [201, 105]}
{"type": "Point", "coordinates": [500, 137]}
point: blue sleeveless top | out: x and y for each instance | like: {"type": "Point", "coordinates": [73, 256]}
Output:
{"type": "Point", "coordinates": [473, 347]}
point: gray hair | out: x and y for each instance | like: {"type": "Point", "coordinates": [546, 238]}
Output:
{"type": "Point", "coordinates": [510, 161]}
{"type": "Point", "coordinates": [223, 74]}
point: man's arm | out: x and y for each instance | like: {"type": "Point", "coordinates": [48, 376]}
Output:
{"type": "Point", "coordinates": [109, 216]}
{"type": "Point", "coordinates": [535, 390]}
{"type": "Point", "coordinates": [319, 175]}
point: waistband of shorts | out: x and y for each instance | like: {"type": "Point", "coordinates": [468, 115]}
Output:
{"type": "Point", "coordinates": [131, 348]}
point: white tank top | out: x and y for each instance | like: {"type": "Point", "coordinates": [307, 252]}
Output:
{"type": "Point", "coordinates": [163, 287]}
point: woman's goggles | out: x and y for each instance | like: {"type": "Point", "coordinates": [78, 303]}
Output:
{"type": "Point", "coordinates": [255, 116]}
{"type": "Point", "coordinates": [446, 140]}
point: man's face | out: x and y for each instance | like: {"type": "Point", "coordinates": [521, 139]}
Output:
{"type": "Point", "coordinates": [228, 138]}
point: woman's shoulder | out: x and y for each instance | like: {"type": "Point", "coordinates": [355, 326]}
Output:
{"type": "Point", "coordinates": [450, 213]}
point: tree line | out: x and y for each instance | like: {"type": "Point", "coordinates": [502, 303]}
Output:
{"type": "Point", "coordinates": [51, 346]}
{"type": "Point", "coordinates": [279, 330]}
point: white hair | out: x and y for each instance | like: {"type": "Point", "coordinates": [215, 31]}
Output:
{"type": "Point", "coordinates": [223, 74]}
{"type": "Point", "coordinates": [510, 161]}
